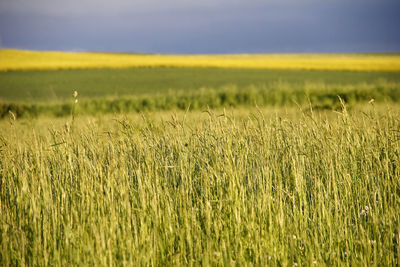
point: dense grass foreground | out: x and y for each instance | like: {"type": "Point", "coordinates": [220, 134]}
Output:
{"type": "Point", "coordinates": [221, 190]}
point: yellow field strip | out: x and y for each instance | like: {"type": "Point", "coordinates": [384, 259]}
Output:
{"type": "Point", "coordinates": [14, 60]}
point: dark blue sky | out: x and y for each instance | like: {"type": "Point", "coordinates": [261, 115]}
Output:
{"type": "Point", "coordinates": [208, 26]}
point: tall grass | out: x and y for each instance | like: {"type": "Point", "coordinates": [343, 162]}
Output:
{"type": "Point", "coordinates": [202, 188]}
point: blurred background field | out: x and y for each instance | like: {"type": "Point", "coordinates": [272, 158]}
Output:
{"type": "Point", "coordinates": [42, 60]}
{"type": "Point", "coordinates": [45, 86]}
{"type": "Point", "coordinates": [49, 92]}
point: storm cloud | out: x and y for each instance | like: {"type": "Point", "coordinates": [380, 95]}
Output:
{"type": "Point", "coordinates": [221, 26]}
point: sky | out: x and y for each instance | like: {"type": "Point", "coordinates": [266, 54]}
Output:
{"type": "Point", "coordinates": [202, 26]}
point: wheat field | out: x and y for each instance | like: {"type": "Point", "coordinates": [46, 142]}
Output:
{"type": "Point", "coordinates": [250, 187]}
